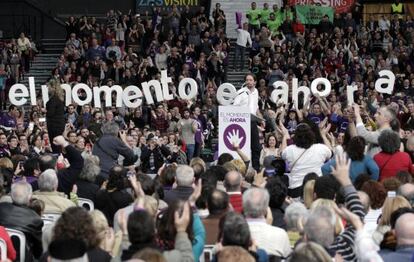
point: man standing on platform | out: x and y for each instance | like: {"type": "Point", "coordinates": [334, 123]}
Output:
{"type": "Point", "coordinates": [249, 96]}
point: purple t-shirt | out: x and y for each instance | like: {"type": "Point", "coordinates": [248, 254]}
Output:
{"type": "Point", "coordinates": [8, 121]}
{"type": "Point", "coordinates": [316, 118]}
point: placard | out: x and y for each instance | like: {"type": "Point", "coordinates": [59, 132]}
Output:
{"type": "Point", "coordinates": [234, 128]}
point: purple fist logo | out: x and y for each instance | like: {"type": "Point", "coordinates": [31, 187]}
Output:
{"type": "Point", "coordinates": [234, 135]}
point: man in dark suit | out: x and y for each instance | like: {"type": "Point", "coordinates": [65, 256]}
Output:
{"type": "Point", "coordinates": [19, 216]}
{"type": "Point", "coordinates": [67, 177]}
{"type": "Point", "coordinates": [184, 179]}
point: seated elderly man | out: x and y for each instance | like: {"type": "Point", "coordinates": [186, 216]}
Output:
{"type": "Point", "coordinates": [55, 202]}
{"type": "Point", "coordinates": [19, 216]}
{"type": "Point", "coordinates": [273, 240]}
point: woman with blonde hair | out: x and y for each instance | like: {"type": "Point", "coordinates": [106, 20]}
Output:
{"type": "Point", "coordinates": [311, 252]}
{"type": "Point", "coordinates": [339, 227]}
{"type": "Point", "coordinates": [55, 112]}
{"type": "Point", "coordinates": [391, 204]}
{"type": "Point", "coordinates": [308, 193]}
{"type": "Point", "coordinates": [108, 240]}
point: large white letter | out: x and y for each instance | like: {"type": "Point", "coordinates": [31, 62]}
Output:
{"type": "Point", "coordinates": [225, 94]}
{"type": "Point", "coordinates": [321, 81]}
{"type": "Point", "coordinates": [296, 90]}
{"type": "Point", "coordinates": [45, 94]}
{"type": "Point", "coordinates": [13, 95]}
{"type": "Point", "coordinates": [136, 95]}
{"type": "Point", "coordinates": [350, 94]}
{"type": "Point", "coordinates": [147, 92]}
{"type": "Point", "coordinates": [165, 80]}
{"type": "Point", "coordinates": [182, 86]}
{"type": "Point", "coordinates": [32, 90]}
{"type": "Point", "coordinates": [108, 95]}
{"type": "Point", "coordinates": [68, 93]}
{"type": "Point", "coordinates": [88, 92]}
{"type": "Point", "coordinates": [388, 82]}
{"type": "Point", "coordinates": [280, 92]}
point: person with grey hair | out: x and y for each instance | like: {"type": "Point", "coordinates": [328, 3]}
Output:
{"type": "Point", "coordinates": [320, 227]}
{"type": "Point", "coordinates": [19, 216]}
{"type": "Point", "coordinates": [109, 147]}
{"type": "Point", "coordinates": [390, 160]}
{"type": "Point", "coordinates": [184, 180]}
{"type": "Point", "coordinates": [87, 188]}
{"type": "Point", "coordinates": [295, 217]}
{"type": "Point", "coordinates": [407, 191]}
{"type": "Point", "coordinates": [385, 119]}
{"type": "Point", "coordinates": [273, 240]}
{"type": "Point", "coordinates": [55, 202]}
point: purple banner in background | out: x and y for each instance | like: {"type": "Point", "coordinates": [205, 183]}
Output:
{"type": "Point", "coordinates": [239, 17]}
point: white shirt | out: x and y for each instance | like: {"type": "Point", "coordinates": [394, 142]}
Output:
{"type": "Point", "coordinates": [245, 97]}
{"type": "Point", "coordinates": [311, 161]}
{"type": "Point", "coordinates": [371, 219]}
{"type": "Point", "coordinates": [273, 240]}
{"type": "Point", "coordinates": [243, 37]}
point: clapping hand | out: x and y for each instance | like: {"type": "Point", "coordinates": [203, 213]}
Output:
{"type": "Point", "coordinates": [181, 222]}
{"type": "Point", "coordinates": [341, 169]}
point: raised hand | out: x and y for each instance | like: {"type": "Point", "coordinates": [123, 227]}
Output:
{"type": "Point", "coordinates": [341, 169]}
{"type": "Point", "coordinates": [181, 222]}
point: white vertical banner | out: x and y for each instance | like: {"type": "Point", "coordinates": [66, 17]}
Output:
{"type": "Point", "coordinates": [234, 129]}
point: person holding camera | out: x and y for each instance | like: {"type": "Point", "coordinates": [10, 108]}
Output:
{"type": "Point", "coordinates": [154, 155]}
{"type": "Point", "coordinates": [109, 147]}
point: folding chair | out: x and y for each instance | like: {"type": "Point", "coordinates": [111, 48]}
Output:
{"type": "Point", "coordinates": [86, 203]}
{"type": "Point", "coordinates": [19, 235]}
{"type": "Point", "coordinates": [51, 216]}
{"type": "Point", "coordinates": [207, 255]}
{"type": "Point", "coordinates": [3, 250]}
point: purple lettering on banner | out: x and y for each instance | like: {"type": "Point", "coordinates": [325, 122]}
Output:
{"type": "Point", "coordinates": [234, 134]}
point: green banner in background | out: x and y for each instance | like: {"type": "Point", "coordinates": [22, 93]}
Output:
{"type": "Point", "coordinates": [312, 15]}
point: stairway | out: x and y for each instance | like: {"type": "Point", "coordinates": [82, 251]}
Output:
{"type": "Point", "coordinates": [43, 63]}
{"type": "Point", "coordinates": [237, 77]}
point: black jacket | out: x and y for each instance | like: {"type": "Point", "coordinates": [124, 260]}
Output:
{"type": "Point", "coordinates": [160, 154]}
{"type": "Point", "coordinates": [180, 192]}
{"type": "Point", "coordinates": [26, 220]}
{"type": "Point", "coordinates": [67, 177]}
{"type": "Point", "coordinates": [55, 114]}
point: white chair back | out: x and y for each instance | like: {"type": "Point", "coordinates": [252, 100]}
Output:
{"type": "Point", "coordinates": [22, 241]}
{"type": "Point", "coordinates": [3, 250]}
{"type": "Point", "coordinates": [86, 203]}
{"type": "Point", "coordinates": [51, 216]}
{"type": "Point", "coordinates": [207, 255]}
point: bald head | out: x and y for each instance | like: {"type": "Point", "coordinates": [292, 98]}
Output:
{"type": "Point", "coordinates": [404, 229]}
{"type": "Point", "coordinates": [233, 181]}
{"type": "Point", "coordinates": [407, 191]}
{"type": "Point", "coordinates": [364, 200]}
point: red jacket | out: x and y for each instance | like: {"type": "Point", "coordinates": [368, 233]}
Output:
{"type": "Point", "coordinates": [390, 165]}
{"type": "Point", "coordinates": [11, 252]}
{"type": "Point", "coordinates": [236, 200]}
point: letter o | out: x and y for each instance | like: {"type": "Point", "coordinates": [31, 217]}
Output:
{"type": "Point", "coordinates": [193, 88]}
{"type": "Point", "coordinates": [87, 90]}
{"type": "Point", "coordinates": [324, 82]}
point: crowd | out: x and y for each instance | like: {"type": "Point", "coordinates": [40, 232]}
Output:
{"type": "Point", "coordinates": [15, 59]}
{"type": "Point", "coordinates": [326, 180]}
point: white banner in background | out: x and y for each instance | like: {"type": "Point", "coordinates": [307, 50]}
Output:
{"type": "Point", "coordinates": [234, 128]}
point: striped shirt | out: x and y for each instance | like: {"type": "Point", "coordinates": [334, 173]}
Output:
{"type": "Point", "coordinates": [344, 243]}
